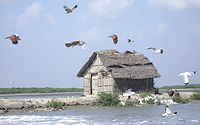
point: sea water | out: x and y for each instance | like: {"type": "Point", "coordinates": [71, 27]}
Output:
{"type": "Point", "coordinates": [188, 114]}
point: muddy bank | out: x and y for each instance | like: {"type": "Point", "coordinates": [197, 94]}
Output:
{"type": "Point", "coordinates": [18, 105]}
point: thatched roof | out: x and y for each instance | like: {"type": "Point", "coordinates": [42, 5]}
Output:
{"type": "Point", "coordinates": [123, 65]}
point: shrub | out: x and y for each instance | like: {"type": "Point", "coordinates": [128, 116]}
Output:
{"type": "Point", "coordinates": [107, 99]}
{"type": "Point", "coordinates": [178, 99]}
{"type": "Point", "coordinates": [150, 101]}
{"type": "Point", "coordinates": [196, 96]}
{"type": "Point", "coordinates": [129, 103]}
{"type": "Point", "coordinates": [55, 104]}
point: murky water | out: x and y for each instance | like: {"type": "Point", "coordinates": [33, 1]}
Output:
{"type": "Point", "coordinates": [188, 114]}
{"type": "Point", "coordinates": [44, 95]}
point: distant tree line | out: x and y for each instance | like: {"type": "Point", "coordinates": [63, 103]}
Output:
{"type": "Point", "coordinates": [38, 90]}
{"type": "Point", "coordinates": [181, 86]}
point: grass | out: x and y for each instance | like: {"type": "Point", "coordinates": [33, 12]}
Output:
{"type": "Point", "coordinates": [107, 99]}
{"type": "Point", "coordinates": [178, 99]}
{"type": "Point", "coordinates": [55, 104]}
{"type": "Point", "coordinates": [37, 90]}
{"type": "Point", "coordinates": [196, 96]}
{"type": "Point", "coordinates": [129, 103]}
{"type": "Point", "coordinates": [181, 86]}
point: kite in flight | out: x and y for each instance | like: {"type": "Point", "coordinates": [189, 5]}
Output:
{"type": "Point", "coordinates": [76, 43]}
{"type": "Point", "coordinates": [14, 38]}
{"type": "Point", "coordinates": [68, 9]}
{"type": "Point", "coordinates": [114, 38]}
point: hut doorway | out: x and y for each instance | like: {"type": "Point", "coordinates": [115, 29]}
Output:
{"type": "Point", "coordinates": [91, 84]}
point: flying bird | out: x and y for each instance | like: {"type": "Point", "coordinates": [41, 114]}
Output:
{"type": "Point", "coordinates": [68, 9]}
{"type": "Point", "coordinates": [14, 38]}
{"type": "Point", "coordinates": [130, 40]}
{"type": "Point", "coordinates": [186, 75]}
{"type": "Point", "coordinates": [168, 112]}
{"type": "Point", "coordinates": [114, 38]}
{"type": "Point", "coordinates": [156, 50]}
{"type": "Point", "coordinates": [76, 43]}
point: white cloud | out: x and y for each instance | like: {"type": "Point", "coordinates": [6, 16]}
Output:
{"type": "Point", "coordinates": [162, 27]}
{"type": "Point", "coordinates": [108, 8]}
{"type": "Point", "coordinates": [30, 15]}
{"type": "Point", "coordinates": [175, 4]}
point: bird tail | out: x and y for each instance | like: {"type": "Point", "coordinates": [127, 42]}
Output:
{"type": "Point", "coordinates": [175, 113]}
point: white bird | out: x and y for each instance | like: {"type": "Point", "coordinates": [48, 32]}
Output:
{"type": "Point", "coordinates": [129, 93]}
{"type": "Point", "coordinates": [185, 76]}
{"type": "Point", "coordinates": [156, 50]}
{"type": "Point", "coordinates": [168, 112]}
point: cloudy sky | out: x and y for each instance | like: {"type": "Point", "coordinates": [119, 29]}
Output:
{"type": "Point", "coordinates": [42, 60]}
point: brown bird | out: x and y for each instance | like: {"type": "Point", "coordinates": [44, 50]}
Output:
{"type": "Point", "coordinates": [129, 40]}
{"type": "Point", "coordinates": [114, 38]}
{"type": "Point", "coordinates": [68, 9]}
{"type": "Point", "coordinates": [14, 38]}
{"type": "Point", "coordinates": [76, 43]}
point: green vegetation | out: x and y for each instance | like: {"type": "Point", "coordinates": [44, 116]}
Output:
{"type": "Point", "coordinates": [55, 104]}
{"type": "Point", "coordinates": [143, 95]}
{"type": "Point", "coordinates": [150, 101]}
{"type": "Point", "coordinates": [196, 96]}
{"type": "Point", "coordinates": [178, 99]}
{"type": "Point", "coordinates": [181, 86]}
{"type": "Point", "coordinates": [107, 99]}
{"type": "Point", "coordinates": [129, 103]}
{"type": "Point", "coordinates": [37, 90]}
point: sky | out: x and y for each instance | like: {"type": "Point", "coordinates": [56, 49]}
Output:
{"type": "Point", "coordinates": [41, 59]}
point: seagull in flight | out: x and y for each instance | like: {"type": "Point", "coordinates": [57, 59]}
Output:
{"type": "Point", "coordinates": [68, 9]}
{"type": "Point", "coordinates": [114, 38]}
{"type": "Point", "coordinates": [168, 112]}
{"type": "Point", "coordinates": [130, 40]}
{"type": "Point", "coordinates": [186, 75]}
{"type": "Point", "coordinates": [156, 50]}
{"type": "Point", "coordinates": [14, 38]}
{"type": "Point", "coordinates": [76, 43]}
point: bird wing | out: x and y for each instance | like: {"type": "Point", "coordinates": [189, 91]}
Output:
{"type": "Point", "coordinates": [74, 7]}
{"type": "Point", "coordinates": [13, 38]}
{"type": "Point", "coordinates": [68, 44]}
{"type": "Point", "coordinates": [152, 48]}
{"type": "Point", "coordinates": [66, 8]}
{"type": "Point", "coordinates": [168, 110]}
{"type": "Point", "coordinates": [115, 38]}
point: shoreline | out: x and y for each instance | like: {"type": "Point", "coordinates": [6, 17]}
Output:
{"type": "Point", "coordinates": [10, 106]}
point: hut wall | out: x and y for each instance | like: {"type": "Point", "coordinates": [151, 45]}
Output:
{"type": "Point", "coordinates": [137, 85]}
{"type": "Point", "coordinates": [95, 82]}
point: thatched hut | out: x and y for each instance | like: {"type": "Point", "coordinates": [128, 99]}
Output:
{"type": "Point", "coordinates": [113, 72]}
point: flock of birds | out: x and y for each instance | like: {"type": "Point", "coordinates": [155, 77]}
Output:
{"type": "Point", "coordinates": [15, 38]}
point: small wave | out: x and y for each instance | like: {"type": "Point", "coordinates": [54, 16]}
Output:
{"type": "Point", "coordinates": [195, 121]}
{"type": "Point", "coordinates": [37, 119]}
